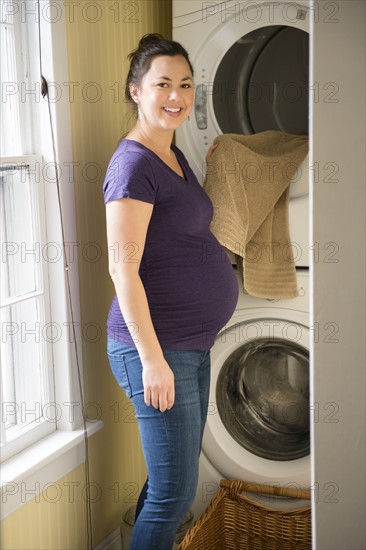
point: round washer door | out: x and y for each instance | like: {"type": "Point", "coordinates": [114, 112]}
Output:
{"type": "Point", "coordinates": [258, 421]}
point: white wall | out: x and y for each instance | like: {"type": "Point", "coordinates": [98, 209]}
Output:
{"type": "Point", "coordinates": [339, 275]}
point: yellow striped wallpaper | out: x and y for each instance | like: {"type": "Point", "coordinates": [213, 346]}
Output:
{"type": "Point", "coordinates": [54, 519]}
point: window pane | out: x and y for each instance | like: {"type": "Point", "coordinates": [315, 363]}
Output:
{"type": "Point", "coordinates": [10, 143]}
{"type": "Point", "coordinates": [21, 254]}
{"type": "Point", "coordinates": [22, 362]}
{"type": "Point", "coordinates": [27, 396]}
{"type": "Point", "coordinates": [7, 374]}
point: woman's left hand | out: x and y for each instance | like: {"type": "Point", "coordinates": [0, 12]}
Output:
{"type": "Point", "coordinates": [210, 151]}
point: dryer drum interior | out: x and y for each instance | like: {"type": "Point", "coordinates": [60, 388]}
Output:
{"type": "Point", "coordinates": [262, 396]}
{"type": "Point", "coordinates": [262, 82]}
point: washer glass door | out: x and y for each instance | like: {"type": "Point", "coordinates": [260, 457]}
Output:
{"type": "Point", "coordinates": [262, 395]}
{"type": "Point", "coordinates": [262, 82]}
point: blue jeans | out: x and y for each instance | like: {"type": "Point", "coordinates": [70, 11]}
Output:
{"type": "Point", "coordinates": [171, 440]}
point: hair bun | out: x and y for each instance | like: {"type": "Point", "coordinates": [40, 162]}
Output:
{"type": "Point", "coordinates": [152, 38]}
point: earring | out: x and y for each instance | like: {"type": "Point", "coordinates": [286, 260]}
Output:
{"type": "Point", "coordinates": [138, 113]}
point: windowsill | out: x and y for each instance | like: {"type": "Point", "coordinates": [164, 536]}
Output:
{"type": "Point", "coordinates": [30, 472]}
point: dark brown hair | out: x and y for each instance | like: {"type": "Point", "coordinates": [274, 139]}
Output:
{"type": "Point", "coordinates": [150, 46]}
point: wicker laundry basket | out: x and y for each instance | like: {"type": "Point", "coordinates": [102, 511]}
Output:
{"type": "Point", "coordinates": [234, 521]}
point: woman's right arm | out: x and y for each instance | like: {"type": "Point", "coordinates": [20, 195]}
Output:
{"type": "Point", "coordinates": [127, 223]}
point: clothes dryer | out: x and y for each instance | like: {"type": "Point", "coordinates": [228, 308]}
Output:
{"type": "Point", "coordinates": [251, 62]}
{"type": "Point", "coordinates": [258, 424]}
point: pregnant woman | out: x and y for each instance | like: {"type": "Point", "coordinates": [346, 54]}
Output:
{"type": "Point", "coordinates": [175, 287]}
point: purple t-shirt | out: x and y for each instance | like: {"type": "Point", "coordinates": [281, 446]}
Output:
{"type": "Point", "coordinates": [190, 284]}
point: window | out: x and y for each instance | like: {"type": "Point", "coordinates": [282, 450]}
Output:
{"type": "Point", "coordinates": [26, 354]}
{"type": "Point", "coordinates": [43, 429]}
{"type": "Point", "coordinates": [40, 394]}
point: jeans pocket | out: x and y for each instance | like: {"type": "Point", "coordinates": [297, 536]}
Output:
{"type": "Point", "coordinates": [118, 367]}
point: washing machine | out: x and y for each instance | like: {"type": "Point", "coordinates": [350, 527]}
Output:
{"type": "Point", "coordinates": [251, 63]}
{"type": "Point", "coordinates": [258, 424]}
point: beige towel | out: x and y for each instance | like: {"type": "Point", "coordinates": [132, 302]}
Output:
{"type": "Point", "coordinates": [248, 180]}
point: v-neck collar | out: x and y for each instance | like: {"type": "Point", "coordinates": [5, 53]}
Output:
{"type": "Point", "coordinates": [174, 149]}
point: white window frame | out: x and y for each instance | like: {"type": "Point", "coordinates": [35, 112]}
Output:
{"type": "Point", "coordinates": [55, 455]}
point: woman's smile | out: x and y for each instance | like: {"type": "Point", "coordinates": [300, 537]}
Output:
{"type": "Point", "coordinates": [173, 111]}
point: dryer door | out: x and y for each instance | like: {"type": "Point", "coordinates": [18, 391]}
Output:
{"type": "Point", "coordinates": [262, 83]}
{"type": "Point", "coordinates": [251, 75]}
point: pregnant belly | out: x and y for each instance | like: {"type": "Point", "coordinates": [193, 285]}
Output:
{"type": "Point", "coordinates": [192, 300]}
